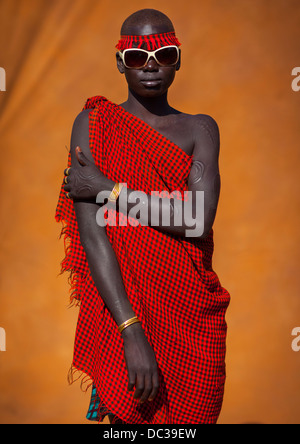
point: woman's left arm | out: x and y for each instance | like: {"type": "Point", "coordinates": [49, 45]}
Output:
{"type": "Point", "coordinates": [192, 218]}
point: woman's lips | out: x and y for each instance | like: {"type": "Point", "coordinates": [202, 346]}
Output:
{"type": "Point", "coordinates": [151, 83]}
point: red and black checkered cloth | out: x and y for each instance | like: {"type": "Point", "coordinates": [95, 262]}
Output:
{"type": "Point", "coordinates": [169, 281]}
{"type": "Point", "coordinates": [149, 42]}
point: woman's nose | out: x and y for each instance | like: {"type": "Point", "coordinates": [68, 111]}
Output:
{"type": "Point", "coordinates": [151, 65]}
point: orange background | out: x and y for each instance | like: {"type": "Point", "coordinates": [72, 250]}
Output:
{"type": "Point", "coordinates": [237, 62]}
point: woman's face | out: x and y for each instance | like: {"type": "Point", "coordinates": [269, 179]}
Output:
{"type": "Point", "coordinates": [151, 81]}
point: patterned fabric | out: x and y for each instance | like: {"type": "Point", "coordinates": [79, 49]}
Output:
{"type": "Point", "coordinates": [148, 42]}
{"type": "Point", "coordinates": [95, 408]}
{"type": "Point", "coordinates": [169, 281]}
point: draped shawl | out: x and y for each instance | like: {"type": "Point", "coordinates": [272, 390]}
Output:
{"type": "Point", "coordinates": [169, 281]}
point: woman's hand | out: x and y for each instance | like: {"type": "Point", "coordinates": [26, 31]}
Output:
{"type": "Point", "coordinates": [84, 180]}
{"type": "Point", "coordinates": [141, 364]}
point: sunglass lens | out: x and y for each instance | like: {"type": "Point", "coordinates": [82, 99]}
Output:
{"type": "Point", "coordinates": [167, 56]}
{"type": "Point", "coordinates": [135, 59]}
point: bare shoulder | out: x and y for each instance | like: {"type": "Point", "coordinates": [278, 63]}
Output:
{"type": "Point", "coordinates": [200, 125]}
{"type": "Point", "coordinates": [206, 128]}
{"type": "Point", "coordinates": [204, 133]}
{"type": "Point", "coordinates": [80, 133]}
{"type": "Point", "coordinates": [82, 119]}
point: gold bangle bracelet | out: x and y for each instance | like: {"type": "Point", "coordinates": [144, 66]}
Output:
{"type": "Point", "coordinates": [128, 323]}
{"type": "Point", "coordinates": [115, 192]}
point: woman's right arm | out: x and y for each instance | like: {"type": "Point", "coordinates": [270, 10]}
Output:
{"type": "Point", "coordinates": [106, 273]}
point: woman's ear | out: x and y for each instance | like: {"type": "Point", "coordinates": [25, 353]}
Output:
{"type": "Point", "coordinates": [178, 65]}
{"type": "Point", "coordinates": [120, 63]}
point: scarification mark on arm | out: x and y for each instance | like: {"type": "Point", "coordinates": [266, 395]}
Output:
{"type": "Point", "coordinates": [197, 171]}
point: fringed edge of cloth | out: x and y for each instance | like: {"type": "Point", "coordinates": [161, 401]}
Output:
{"type": "Point", "coordinates": [85, 383]}
{"type": "Point", "coordinates": [75, 279]}
{"type": "Point", "coordinates": [86, 380]}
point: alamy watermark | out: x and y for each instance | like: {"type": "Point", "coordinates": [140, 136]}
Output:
{"type": "Point", "coordinates": [2, 79]}
{"type": "Point", "coordinates": [2, 340]}
{"type": "Point", "coordinates": [296, 341]}
{"type": "Point", "coordinates": [182, 210]}
{"type": "Point", "coordinates": [296, 80]}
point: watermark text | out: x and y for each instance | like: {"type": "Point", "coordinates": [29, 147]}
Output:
{"type": "Point", "coordinates": [296, 80]}
{"type": "Point", "coordinates": [2, 79]}
{"type": "Point", "coordinates": [296, 341]}
{"type": "Point", "coordinates": [160, 206]}
{"type": "Point", "coordinates": [2, 340]}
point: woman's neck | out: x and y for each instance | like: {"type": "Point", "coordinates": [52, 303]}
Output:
{"type": "Point", "coordinates": [147, 107]}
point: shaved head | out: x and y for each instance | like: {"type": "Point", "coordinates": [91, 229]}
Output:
{"type": "Point", "coordinates": [146, 22]}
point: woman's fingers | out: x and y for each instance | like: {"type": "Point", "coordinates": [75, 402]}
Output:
{"type": "Point", "coordinates": [131, 381]}
{"type": "Point", "coordinates": [139, 386]}
{"type": "Point", "coordinates": [67, 179]}
{"type": "Point", "coordinates": [147, 388]}
{"type": "Point", "coordinates": [155, 386]}
{"type": "Point", "coordinates": [67, 171]}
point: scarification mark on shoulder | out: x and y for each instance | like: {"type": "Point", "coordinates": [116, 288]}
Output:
{"type": "Point", "coordinates": [210, 128]}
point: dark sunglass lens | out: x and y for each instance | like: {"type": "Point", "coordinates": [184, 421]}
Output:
{"type": "Point", "coordinates": [167, 56]}
{"type": "Point", "coordinates": [135, 59]}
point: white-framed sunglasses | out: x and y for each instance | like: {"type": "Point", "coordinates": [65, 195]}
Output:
{"type": "Point", "coordinates": [136, 58]}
